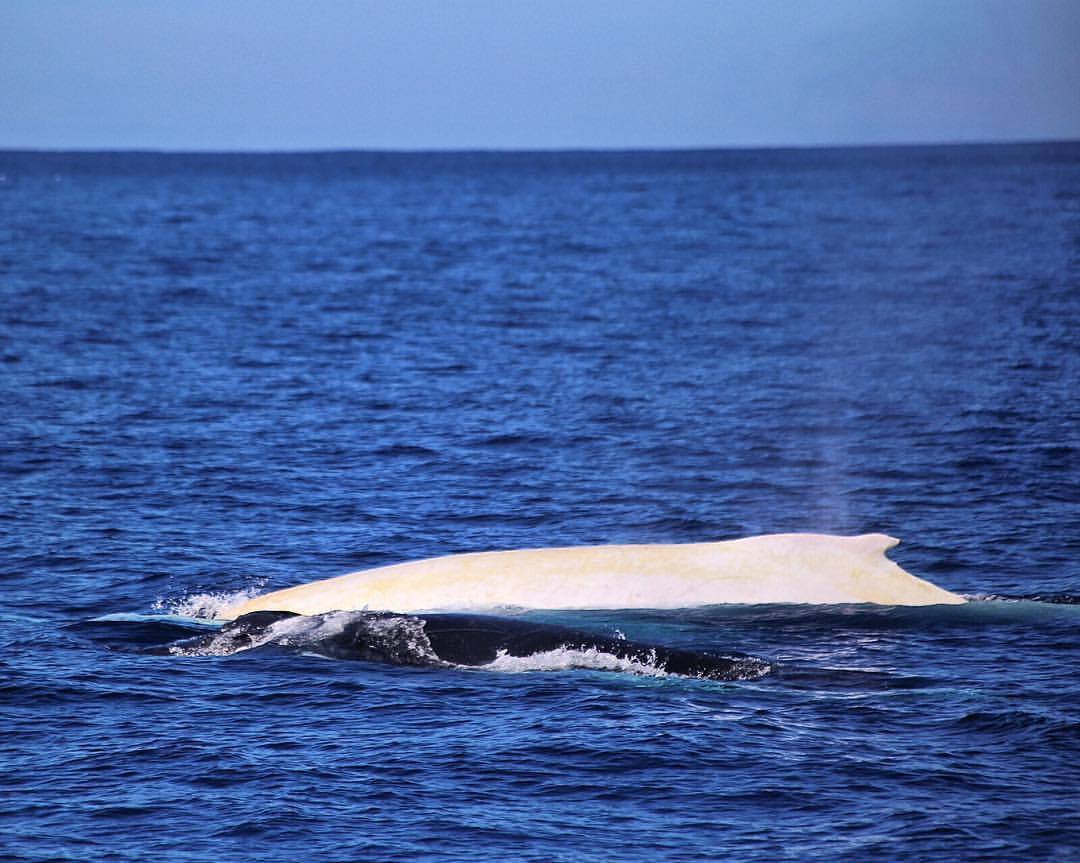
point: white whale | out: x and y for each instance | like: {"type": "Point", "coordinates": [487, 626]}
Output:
{"type": "Point", "coordinates": [781, 568]}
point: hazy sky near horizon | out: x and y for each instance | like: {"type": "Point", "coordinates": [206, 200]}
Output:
{"type": "Point", "coordinates": [328, 74]}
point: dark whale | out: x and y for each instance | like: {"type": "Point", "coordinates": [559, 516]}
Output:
{"type": "Point", "coordinates": [447, 640]}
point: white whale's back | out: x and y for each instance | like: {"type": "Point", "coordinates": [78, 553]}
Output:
{"type": "Point", "coordinates": [779, 568]}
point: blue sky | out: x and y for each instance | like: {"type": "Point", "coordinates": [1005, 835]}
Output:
{"type": "Point", "coordinates": [416, 74]}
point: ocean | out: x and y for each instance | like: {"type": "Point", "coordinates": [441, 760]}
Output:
{"type": "Point", "coordinates": [229, 373]}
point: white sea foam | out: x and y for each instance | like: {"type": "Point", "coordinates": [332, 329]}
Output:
{"type": "Point", "coordinates": [563, 658]}
{"type": "Point", "coordinates": [209, 605]}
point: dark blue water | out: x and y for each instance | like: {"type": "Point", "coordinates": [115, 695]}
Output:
{"type": "Point", "coordinates": [229, 373]}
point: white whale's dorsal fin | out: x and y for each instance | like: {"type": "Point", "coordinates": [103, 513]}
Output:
{"type": "Point", "coordinates": [778, 568]}
{"type": "Point", "coordinates": [875, 542]}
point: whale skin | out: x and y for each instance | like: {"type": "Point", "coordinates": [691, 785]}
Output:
{"type": "Point", "coordinates": [776, 568]}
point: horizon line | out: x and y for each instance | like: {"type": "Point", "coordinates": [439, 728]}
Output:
{"type": "Point", "coordinates": [553, 150]}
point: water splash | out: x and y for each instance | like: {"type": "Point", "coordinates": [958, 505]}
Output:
{"type": "Point", "coordinates": [564, 658]}
{"type": "Point", "coordinates": [593, 659]}
{"type": "Point", "coordinates": [208, 605]}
